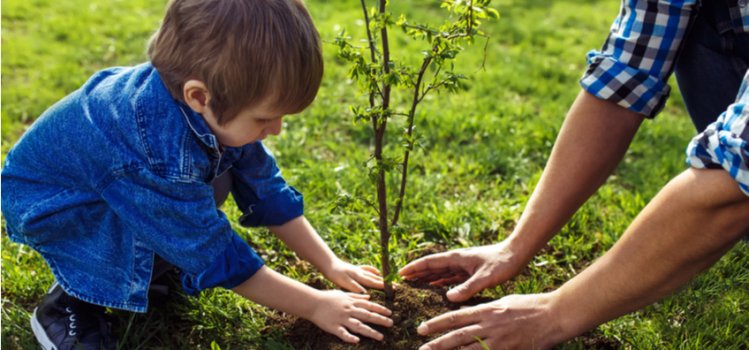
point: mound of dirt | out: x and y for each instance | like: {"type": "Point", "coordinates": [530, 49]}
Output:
{"type": "Point", "coordinates": [413, 304]}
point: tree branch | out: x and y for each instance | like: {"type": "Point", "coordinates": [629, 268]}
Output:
{"type": "Point", "coordinates": [411, 114]}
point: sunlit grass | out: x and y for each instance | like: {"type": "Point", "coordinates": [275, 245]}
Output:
{"type": "Point", "coordinates": [480, 154]}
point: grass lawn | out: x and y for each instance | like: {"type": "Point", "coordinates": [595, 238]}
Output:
{"type": "Point", "coordinates": [480, 154]}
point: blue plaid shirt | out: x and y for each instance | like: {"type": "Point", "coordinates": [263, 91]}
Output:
{"type": "Point", "coordinates": [633, 67]}
{"type": "Point", "coordinates": [637, 58]}
{"type": "Point", "coordinates": [725, 142]}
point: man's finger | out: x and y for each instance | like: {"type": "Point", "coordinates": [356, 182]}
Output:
{"type": "Point", "coordinates": [449, 320]}
{"type": "Point", "coordinates": [428, 275]}
{"type": "Point", "coordinates": [478, 345]}
{"type": "Point", "coordinates": [450, 280]}
{"type": "Point", "coordinates": [455, 339]}
{"type": "Point", "coordinates": [429, 262]}
{"type": "Point", "coordinates": [469, 288]}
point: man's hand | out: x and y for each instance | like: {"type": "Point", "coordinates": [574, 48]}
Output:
{"type": "Point", "coordinates": [351, 277]}
{"type": "Point", "coordinates": [703, 207]}
{"type": "Point", "coordinates": [474, 268]}
{"type": "Point", "coordinates": [513, 322]}
{"type": "Point", "coordinates": [341, 314]}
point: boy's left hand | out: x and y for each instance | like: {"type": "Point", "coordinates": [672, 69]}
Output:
{"type": "Point", "coordinates": [353, 278]}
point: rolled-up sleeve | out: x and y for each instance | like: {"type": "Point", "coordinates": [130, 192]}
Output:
{"type": "Point", "coordinates": [634, 64]}
{"type": "Point", "coordinates": [260, 192]}
{"type": "Point", "coordinates": [179, 221]}
{"type": "Point", "coordinates": [235, 265]}
{"type": "Point", "coordinates": [725, 142]}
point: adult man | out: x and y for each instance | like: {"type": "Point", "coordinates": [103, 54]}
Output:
{"type": "Point", "coordinates": [696, 218]}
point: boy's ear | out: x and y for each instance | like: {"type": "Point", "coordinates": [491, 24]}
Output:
{"type": "Point", "coordinates": [196, 95]}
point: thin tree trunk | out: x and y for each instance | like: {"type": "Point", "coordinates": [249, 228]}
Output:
{"type": "Point", "coordinates": [381, 126]}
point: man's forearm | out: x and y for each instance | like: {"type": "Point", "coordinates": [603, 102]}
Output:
{"type": "Point", "coordinates": [688, 226]}
{"type": "Point", "coordinates": [593, 139]}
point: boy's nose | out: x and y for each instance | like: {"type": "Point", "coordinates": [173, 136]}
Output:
{"type": "Point", "coordinates": [275, 127]}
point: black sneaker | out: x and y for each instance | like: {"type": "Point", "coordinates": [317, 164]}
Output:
{"type": "Point", "coordinates": [62, 322]}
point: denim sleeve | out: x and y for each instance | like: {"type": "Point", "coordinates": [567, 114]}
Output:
{"type": "Point", "coordinates": [260, 192]}
{"type": "Point", "coordinates": [179, 221]}
{"type": "Point", "coordinates": [634, 64]}
{"type": "Point", "coordinates": [237, 264]}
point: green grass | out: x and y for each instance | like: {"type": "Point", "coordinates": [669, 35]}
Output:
{"type": "Point", "coordinates": [480, 154]}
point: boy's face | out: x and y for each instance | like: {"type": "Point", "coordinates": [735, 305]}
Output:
{"type": "Point", "coordinates": [252, 124]}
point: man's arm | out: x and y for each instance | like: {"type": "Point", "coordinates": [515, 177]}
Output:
{"type": "Point", "coordinates": [593, 139]}
{"type": "Point", "coordinates": [688, 226]}
{"type": "Point", "coordinates": [685, 229]}
{"type": "Point", "coordinates": [591, 143]}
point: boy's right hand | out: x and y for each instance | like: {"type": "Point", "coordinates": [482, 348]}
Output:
{"type": "Point", "coordinates": [341, 314]}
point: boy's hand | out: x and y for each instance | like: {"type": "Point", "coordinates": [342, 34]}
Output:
{"type": "Point", "coordinates": [353, 278]}
{"type": "Point", "coordinates": [341, 314]}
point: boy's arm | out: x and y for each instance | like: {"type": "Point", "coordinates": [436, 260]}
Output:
{"type": "Point", "coordinates": [335, 312]}
{"type": "Point", "coordinates": [302, 238]}
{"type": "Point", "coordinates": [267, 200]}
{"type": "Point", "coordinates": [260, 191]}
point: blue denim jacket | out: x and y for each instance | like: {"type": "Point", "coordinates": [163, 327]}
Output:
{"type": "Point", "coordinates": [119, 171]}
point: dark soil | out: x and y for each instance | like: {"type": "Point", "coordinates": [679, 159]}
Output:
{"type": "Point", "coordinates": [413, 304]}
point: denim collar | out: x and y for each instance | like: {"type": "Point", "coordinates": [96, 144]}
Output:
{"type": "Point", "coordinates": [159, 92]}
{"type": "Point", "coordinates": [199, 127]}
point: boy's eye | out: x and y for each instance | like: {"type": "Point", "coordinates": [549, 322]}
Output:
{"type": "Point", "coordinates": [266, 121]}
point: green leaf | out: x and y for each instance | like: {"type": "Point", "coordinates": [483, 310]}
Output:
{"type": "Point", "coordinates": [492, 12]}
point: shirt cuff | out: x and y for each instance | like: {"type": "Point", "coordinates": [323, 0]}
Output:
{"type": "Point", "coordinates": [725, 144]}
{"type": "Point", "coordinates": [235, 265]}
{"type": "Point", "coordinates": [631, 88]}
{"type": "Point", "coordinates": [276, 210]}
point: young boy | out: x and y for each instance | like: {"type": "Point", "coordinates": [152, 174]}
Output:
{"type": "Point", "coordinates": [128, 170]}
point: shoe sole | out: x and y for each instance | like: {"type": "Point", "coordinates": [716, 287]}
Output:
{"type": "Point", "coordinates": [40, 334]}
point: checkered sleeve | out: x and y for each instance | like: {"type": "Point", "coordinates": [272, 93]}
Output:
{"type": "Point", "coordinates": [725, 142]}
{"type": "Point", "coordinates": [634, 64]}
{"type": "Point", "coordinates": [740, 16]}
